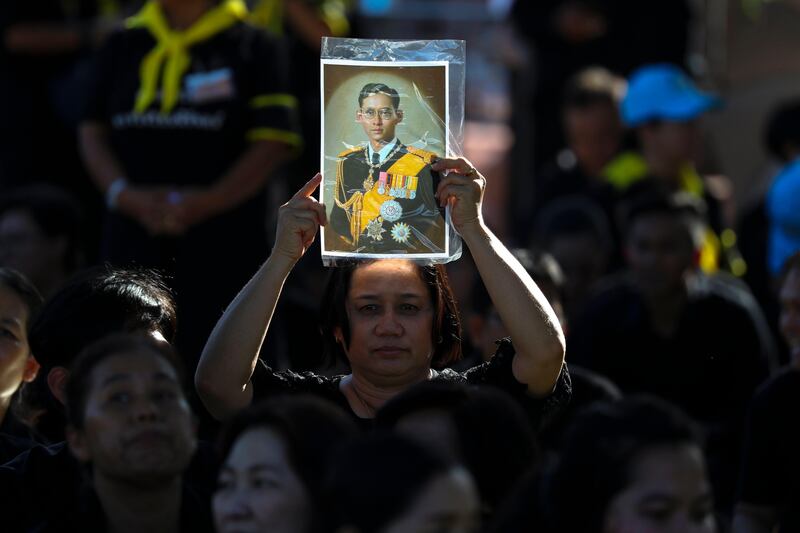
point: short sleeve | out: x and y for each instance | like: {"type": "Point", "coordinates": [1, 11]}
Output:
{"type": "Point", "coordinates": [272, 108]}
{"type": "Point", "coordinates": [498, 372]}
{"type": "Point", "coordinates": [267, 382]}
{"type": "Point", "coordinates": [101, 76]}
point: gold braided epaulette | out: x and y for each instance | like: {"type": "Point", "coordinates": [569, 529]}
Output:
{"type": "Point", "coordinates": [427, 156]}
{"type": "Point", "coordinates": [352, 150]}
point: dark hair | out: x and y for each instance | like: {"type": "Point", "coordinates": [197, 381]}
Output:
{"type": "Point", "coordinates": [782, 129]}
{"type": "Point", "coordinates": [570, 216]}
{"type": "Point", "coordinates": [312, 429]}
{"type": "Point", "coordinates": [652, 198]}
{"type": "Point", "coordinates": [95, 303]}
{"type": "Point", "coordinates": [79, 385]}
{"type": "Point", "coordinates": [376, 478]}
{"type": "Point", "coordinates": [19, 285]}
{"type": "Point", "coordinates": [541, 266]}
{"type": "Point", "coordinates": [379, 88]}
{"type": "Point", "coordinates": [495, 438]}
{"type": "Point", "coordinates": [600, 451]}
{"type": "Point", "coordinates": [593, 86]}
{"type": "Point", "coordinates": [446, 329]}
{"type": "Point", "coordinates": [55, 212]}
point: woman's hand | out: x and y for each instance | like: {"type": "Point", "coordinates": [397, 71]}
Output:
{"type": "Point", "coordinates": [298, 222]}
{"type": "Point", "coordinates": [462, 187]}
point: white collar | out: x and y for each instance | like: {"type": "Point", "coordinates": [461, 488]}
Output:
{"type": "Point", "coordinates": [383, 153]}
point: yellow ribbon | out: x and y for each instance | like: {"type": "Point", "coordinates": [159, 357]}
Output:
{"type": "Point", "coordinates": [171, 50]}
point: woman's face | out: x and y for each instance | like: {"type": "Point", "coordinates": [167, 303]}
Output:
{"type": "Point", "coordinates": [258, 490]}
{"type": "Point", "coordinates": [16, 362]}
{"type": "Point", "coordinates": [391, 321]}
{"type": "Point", "coordinates": [447, 504]}
{"type": "Point", "coordinates": [669, 492]}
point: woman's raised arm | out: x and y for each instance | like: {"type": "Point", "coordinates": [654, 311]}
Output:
{"type": "Point", "coordinates": [525, 312]}
{"type": "Point", "coordinates": [231, 353]}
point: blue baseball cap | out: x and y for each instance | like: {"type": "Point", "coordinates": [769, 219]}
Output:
{"type": "Point", "coordinates": [783, 211]}
{"type": "Point", "coordinates": [663, 92]}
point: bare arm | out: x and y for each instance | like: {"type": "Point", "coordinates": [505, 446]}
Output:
{"type": "Point", "coordinates": [231, 353]}
{"type": "Point", "coordinates": [525, 312]}
{"type": "Point", "coordinates": [754, 519]}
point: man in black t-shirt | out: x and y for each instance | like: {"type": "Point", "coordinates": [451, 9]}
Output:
{"type": "Point", "coordinates": [184, 126]}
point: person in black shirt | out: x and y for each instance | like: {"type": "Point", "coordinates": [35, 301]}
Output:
{"type": "Point", "coordinates": [669, 330]}
{"type": "Point", "coordinates": [189, 114]}
{"type": "Point", "coordinates": [393, 320]}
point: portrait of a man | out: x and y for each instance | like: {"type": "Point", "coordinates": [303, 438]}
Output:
{"type": "Point", "coordinates": [382, 200]}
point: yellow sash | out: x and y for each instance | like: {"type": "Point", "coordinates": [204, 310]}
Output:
{"type": "Point", "coordinates": [408, 165]}
{"type": "Point", "coordinates": [172, 48]}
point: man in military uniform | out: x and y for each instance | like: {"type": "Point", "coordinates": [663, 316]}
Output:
{"type": "Point", "coordinates": [383, 197]}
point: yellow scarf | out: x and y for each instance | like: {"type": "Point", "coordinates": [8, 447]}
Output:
{"type": "Point", "coordinates": [172, 47]}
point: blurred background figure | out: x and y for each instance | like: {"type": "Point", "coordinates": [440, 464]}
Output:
{"type": "Point", "coordinates": [665, 328]}
{"type": "Point", "coordinates": [182, 158]}
{"type": "Point", "coordinates": [770, 474]}
{"type": "Point", "coordinates": [41, 235]}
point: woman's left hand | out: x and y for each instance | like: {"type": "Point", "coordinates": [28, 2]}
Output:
{"type": "Point", "coordinates": [461, 186]}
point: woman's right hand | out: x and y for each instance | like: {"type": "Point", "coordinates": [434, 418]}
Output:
{"type": "Point", "coordinates": [298, 221]}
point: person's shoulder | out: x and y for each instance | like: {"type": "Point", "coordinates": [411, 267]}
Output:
{"type": "Point", "coordinates": [353, 151]}
{"type": "Point", "coordinates": [426, 155]}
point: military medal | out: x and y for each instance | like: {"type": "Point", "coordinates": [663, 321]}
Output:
{"type": "Point", "coordinates": [375, 229]}
{"type": "Point", "coordinates": [383, 178]}
{"type": "Point", "coordinates": [401, 232]}
{"type": "Point", "coordinates": [391, 210]}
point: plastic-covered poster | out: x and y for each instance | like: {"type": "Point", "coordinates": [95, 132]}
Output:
{"type": "Point", "coordinates": [389, 109]}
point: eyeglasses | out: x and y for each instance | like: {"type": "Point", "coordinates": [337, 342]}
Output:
{"type": "Point", "coordinates": [386, 113]}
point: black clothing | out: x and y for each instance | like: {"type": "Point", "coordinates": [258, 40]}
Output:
{"type": "Point", "coordinates": [771, 467]}
{"type": "Point", "coordinates": [234, 92]}
{"type": "Point", "coordinates": [88, 514]}
{"type": "Point", "coordinates": [44, 485]}
{"type": "Point", "coordinates": [496, 372]}
{"type": "Point", "coordinates": [710, 366]}
{"type": "Point", "coordinates": [404, 180]}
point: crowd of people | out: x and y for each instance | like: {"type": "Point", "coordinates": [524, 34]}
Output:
{"type": "Point", "coordinates": [174, 356]}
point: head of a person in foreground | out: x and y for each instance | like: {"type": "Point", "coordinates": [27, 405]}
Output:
{"type": "Point", "coordinates": [275, 458]}
{"type": "Point", "coordinates": [632, 465]}
{"type": "Point", "coordinates": [128, 416]}
{"type": "Point", "coordinates": [386, 483]}
{"type": "Point", "coordinates": [391, 319]}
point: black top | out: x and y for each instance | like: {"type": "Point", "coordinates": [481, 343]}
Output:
{"type": "Point", "coordinates": [771, 468]}
{"type": "Point", "coordinates": [711, 364]}
{"type": "Point", "coordinates": [45, 486]}
{"type": "Point", "coordinates": [88, 514]}
{"type": "Point", "coordinates": [227, 98]}
{"type": "Point", "coordinates": [497, 373]}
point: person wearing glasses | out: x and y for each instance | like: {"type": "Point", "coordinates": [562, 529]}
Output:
{"type": "Point", "coordinates": [383, 197]}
